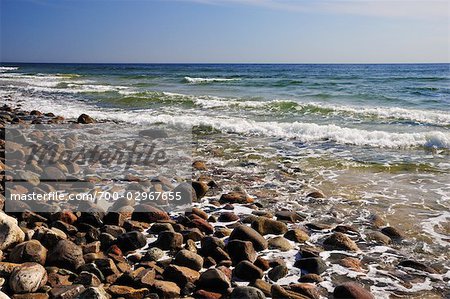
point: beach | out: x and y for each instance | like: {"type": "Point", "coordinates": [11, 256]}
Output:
{"type": "Point", "coordinates": [341, 173]}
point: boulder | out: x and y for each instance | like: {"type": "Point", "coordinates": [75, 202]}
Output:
{"type": "Point", "coordinates": [126, 292]}
{"type": "Point", "coordinates": [180, 275]}
{"type": "Point", "coordinates": [393, 233]}
{"type": "Point", "coordinates": [245, 233]}
{"type": "Point", "coordinates": [149, 214]}
{"type": "Point", "coordinates": [153, 254]}
{"type": "Point", "coordinates": [266, 226]}
{"type": "Point", "coordinates": [280, 243]}
{"type": "Point", "coordinates": [169, 241]}
{"type": "Point", "coordinates": [213, 280]}
{"type": "Point", "coordinates": [166, 289]}
{"type": "Point", "coordinates": [10, 232]}
{"type": "Point", "coordinates": [240, 251]}
{"type": "Point", "coordinates": [131, 241]}
{"type": "Point", "coordinates": [314, 265]}
{"type": "Point", "coordinates": [247, 271]}
{"type": "Point", "coordinates": [85, 119]}
{"type": "Point", "coordinates": [297, 235]}
{"type": "Point", "coordinates": [278, 272]}
{"type": "Point", "coordinates": [246, 292]}
{"type": "Point", "coordinates": [351, 290]}
{"type": "Point", "coordinates": [66, 254]}
{"type": "Point", "coordinates": [340, 241]}
{"type": "Point", "coordinates": [235, 197]}
{"type": "Point", "coordinates": [188, 259]}
{"type": "Point", "coordinates": [28, 278]}
{"type": "Point", "coordinates": [29, 251]}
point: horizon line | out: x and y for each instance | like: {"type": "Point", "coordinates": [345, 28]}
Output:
{"type": "Point", "coordinates": [255, 63]}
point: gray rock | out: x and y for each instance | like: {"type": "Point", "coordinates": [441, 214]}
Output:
{"type": "Point", "coordinates": [66, 254]}
{"type": "Point", "coordinates": [28, 278]}
{"type": "Point", "coordinates": [10, 232]}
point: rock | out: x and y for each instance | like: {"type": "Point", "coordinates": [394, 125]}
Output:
{"type": "Point", "coordinates": [27, 176]}
{"type": "Point", "coordinates": [106, 266]}
{"type": "Point", "coordinates": [289, 216]}
{"type": "Point", "coordinates": [213, 280]}
{"type": "Point", "coordinates": [228, 217]}
{"type": "Point", "coordinates": [127, 292]}
{"type": "Point", "coordinates": [27, 296]}
{"type": "Point", "coordinates": [166, 289]}
{"type": "Point", "coordinates": [149, 214]}
{"type": "Point", "coordinates": [169, 241]}
{"type": "Point", "coordinates": [199, 165]}
{"type": "Point", "coordinates": [156, 228]}
{"type": "Point", "coordinates": [131, 241]}
{"type": "Point", "coordinates": [245, 233]}
{"type": "Point", "coordinates": [200, 189]}
{"type": "Point", "coordinates": [10, 232]}
{"type": "Point", "coordinates": [378, 238]}
{"type": "Point", "coordinates": [316, 194]}
{"type": "Point", "coordinates": [241, 251]}
{"type": "Point", "coordinates": [277, 292]}
{"type": "Point", "coordinates": [311, 278]}
{"type": "Point", "coordinates": [67, 292]}
{"type": "Point", "coordinates": [263, 286]}
{"type": "Point", "coordinates": [247, 271]}
{"type": "Point", "coordinates": [85, 119]}
{"type": "Point", "coordinates": [266, 226]}
{"type": "Point", "coordinates": [246, 292]}
{"type": "Point", "coordinates": [87, 279]}
{"type": "Point", "coordinates": [153, 254]}
{"type": "Point", "coordinates": [181, 275]}
{"type": "Point", "coordinates": [278, 272]}
{"type": "Point", "coordinates": [314, 265]}
{"type": "Point", "coordinates": [94, 293]}
{"type": "Point", "coordinates": [305, 289]}
{"type": "Point", "coordinates": [339, 241]}
{"type": "Point", "coordinates": [296, 235]}
{"type": "Point", "coordinates": [280, 243]}
{"type": "Point", "coordinates": [351, 290]}
{"type": "Point", "coordinates": [376, 221]}
{"type": "Point", "coordinates": [29, 251]}
{"type": "Point", "coordinates": [203, 225]}
{"type": "Point", "coordinates": [392, 233]}
{"type": "Point", "coordinates": [66, 254]}
{"type": "Point", "coordinates": [262, 263]}
{"type": "Point", "coordinates": [235, 197]}
{"type": "Point", "coordinates": [28, 278]}
{"type": "Point", "coordinates": [188, 259]}
{"type": "Point", "coordinates": [417, 266]}
{"type": "Point", "coordinates": [202, 294]}
{"type": "Point", "coordinates": [49, 237]}
{"type": "Point", "coordinates": [351, 263]}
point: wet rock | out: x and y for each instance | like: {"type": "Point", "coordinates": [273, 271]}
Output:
{"type": "Point", "coordinates": [279, 243]}
{"type": "Point", "coordinates": [351, 263]}
{"type": "Point", "coordinates": [189, 259]}
{"type": "Point", "coordinates": [378, 238]}
{"type": "Point", "coordinates": [149, 214]}
{"type": "Point", "coordinates": [235, 197]}
{"type": "Point", "coordinates": [27, 278]}
{"type": "Point", "coordinates": [245, 233]}
{"type": "Point", "coordinates": [153, 254]}
{"type": "Point", "coordinates": [85, 119]}
{"type": "Point", "coordinates": [289, 216]}
{"type": "Point", "coordinates": [166, 289]}
{"type": "Point", "coordinates": [181, 275]}
{"type": "Point", "coordinates": [66, 254]}
{"type": "Point", "coordinates": [278, 272]}
{"type": "Point", "coordinates": [262, 263]}
{"type": "Point", "coordinates": [339, 241]}
{"type": "Point", "coordinates": [10, 232]}
{"type": "Point", "coordinates": [247, 271]}
{"type": "Point", "coordinates": [246, 292]}
{"type": "Point", "coordinates": [316, 194]}
{"type": "Point", "coordinates": [278, 292]}
{"type": "Point", "coordinates": [131, 241]}
{"type": "Point", "coordinates": [314, 265]}
{"type": "Point", "coordinates": [263, 286]}
{"type": "Point", "coordinates": [213, 280]}
{"type": "Point", "coordinates": [305, 289]}
{"type": "Point", "coordinates": [240, 251]}
{"type": "Point", "coordinates": [228, 217]}
{"type": "Point", "coordinates": [156, 228]}
{"type": "Point", "coordinates": [203, 225]}
{"type": "Point", "coordinates": [127, 292]}
{"type": "Point", "coordinates": [65, 292]}
{"type": "Point", "coordinates": [169, 241]}
{"type": "Point", "coordinates": [376, 221]}
{"type": "Point", "coordinates": [311, 278]}
{"type": "Point", "coordinates": [417, 265]}
{"type": "Point", "coordinates": [200, 189]}
{"type": "Point", "coordinates": [199, 165]}
{"type": "Point", "coordinates": [266, 226]}
{"type": "Point", "coordinates": [296, 235]}
{"type": "Point", "coordinates": [351, 290]}
{"type": "Point", "coordinates": [29, 251]}
{"type": "Point", "coordinates": [392, 233]}
{"type": "Point", "coordinates": [202, 294]}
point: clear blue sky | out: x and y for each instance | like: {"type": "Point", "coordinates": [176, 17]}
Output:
{"type": "Point", "coordinates": [296, 31]}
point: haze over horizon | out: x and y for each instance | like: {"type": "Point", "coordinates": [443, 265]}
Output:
{"type": "Point", "coordinates": [219, 31]}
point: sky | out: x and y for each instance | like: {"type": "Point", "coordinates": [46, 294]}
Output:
{"type": "Point", "coordinates": [225, 31]}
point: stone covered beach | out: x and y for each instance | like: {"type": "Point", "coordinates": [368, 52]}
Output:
{"type": "Point", "coordinates": [238, 241]}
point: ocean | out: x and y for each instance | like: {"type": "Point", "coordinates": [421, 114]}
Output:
{"type": "Point", "coordinates": [375, 138]}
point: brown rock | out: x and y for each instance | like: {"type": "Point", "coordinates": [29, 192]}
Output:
{"type": "Point", "coordinates": [247, 271]}
{"type": "Point", "coordinates": [189, 259]}
{"type": "Point", "coordinates": [240, 251]}
{"type": "Point", "coordinates": [245, 233]}
{"type": "Point", "coordinates": [149, 214]}
{"type": "Point", "coordinates": [181, 275]}
{"type": "Point", "coordinates": [169, 240]}
{"type": "Point", "coordinates": [29, 251]}
{"type": "Point", "coordinates": [127, 292]}
{"type": "Point", "coordinates": [66, 254]}
{"type": "Point", "coordinates": [351, 290]}
{"type": "Point", "coordinates": [85, 119]}
{"type": "Point", "coordinates": [339, 241]}
{"type": "Point", "coordinates": [166, 289]}
{"type": "Point", "coordinates": [213, 280]}
{"type": "Point", "coordinates": [235, 197]}
{"type": "Point", "coordinates": [351, 263]}
{"type": "Point", "coordinates": [296, 235]}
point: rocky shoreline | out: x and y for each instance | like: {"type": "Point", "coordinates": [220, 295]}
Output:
{"type": "Point", "coordinates": [230, 245]}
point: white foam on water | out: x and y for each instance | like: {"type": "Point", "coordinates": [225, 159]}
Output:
{"type": "Point", "coordinates": [4, 69]}
{"type": "Point", "coordinates": [207, 80]}
{"type": "Point", "coordinates": [430, 223]}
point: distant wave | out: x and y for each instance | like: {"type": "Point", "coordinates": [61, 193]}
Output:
{"type": "Point", "coordinates": [207, 80]}
{"type": "Point", "coordinates": [8, 68]}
